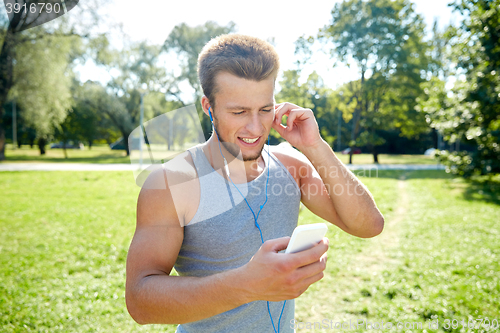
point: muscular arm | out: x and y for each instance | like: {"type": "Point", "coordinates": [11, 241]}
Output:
{"type": "Point", "coordinates": [153, 296]}
{"type": "Point", "coordinates": [328, 188]}
{"type": "Point", "coordinates": [349, 204]}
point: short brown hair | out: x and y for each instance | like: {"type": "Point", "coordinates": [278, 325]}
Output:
{"type": "Point", "coordinates": [243, 56]}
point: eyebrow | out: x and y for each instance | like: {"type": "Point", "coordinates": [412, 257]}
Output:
{"type": "Point", "coordinates": [237, 107]}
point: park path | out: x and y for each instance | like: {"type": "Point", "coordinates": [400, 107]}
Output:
{"type": "Point", "coordinates": [375, 256]}
{"type": "Point", "coordinates": [379, 254]}
{"type": "Point", "coordinates": [65, 167]}
{"type": "Point", "coordinates": [130, 167]}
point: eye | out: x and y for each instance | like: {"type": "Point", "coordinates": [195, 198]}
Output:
{"type": "Point", "coordinates": [238, 113]}
{"type": "Point", "coordinates": [267, 110]}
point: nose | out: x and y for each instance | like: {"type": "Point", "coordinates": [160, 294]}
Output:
{"type": "Point", "coordinates": [255, 125]}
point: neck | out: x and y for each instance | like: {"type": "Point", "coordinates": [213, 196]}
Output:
{"type": "Point", "coordinates": [240, 171]}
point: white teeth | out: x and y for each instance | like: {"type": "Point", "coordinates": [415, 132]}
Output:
{"type": "Point", "coordinates": [249, 140]}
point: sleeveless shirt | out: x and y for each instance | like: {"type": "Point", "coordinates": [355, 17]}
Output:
{"type": "Point", "coordinates": [222, 235]}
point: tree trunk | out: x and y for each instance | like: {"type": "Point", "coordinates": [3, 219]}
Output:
{"type": "Point", "coordinates": [6, 70]}
{"type": "Point", "coordinates": [374, 151]}
{"type": "Point", "coordinates": [125, 141]}
{"type": "Point", "coordinates": [2, 143]}
{"type": "Point", "coordinates": [90, 144]}
{"type": "Point", "coordinates": [64, 150]}
{"type": "Point", "coordinates": [350, 156]}
{"type": "Point", "coordinates": [41, 145]}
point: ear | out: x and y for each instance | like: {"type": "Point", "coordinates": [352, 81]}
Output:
{"type": "Point", "coordinates": [205, 104]}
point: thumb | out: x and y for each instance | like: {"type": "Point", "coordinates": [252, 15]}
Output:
{"type": "Point", "coordinates": [276, 244]}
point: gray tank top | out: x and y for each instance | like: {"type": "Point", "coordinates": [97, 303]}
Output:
{"type": "Point", "coordinates": [222, 236]}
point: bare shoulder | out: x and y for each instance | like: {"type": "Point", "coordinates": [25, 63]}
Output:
{"type": "Point", "coordinates": [291, 158]}
{"type": "Point", "coordinates": [180, 169]}
{"type": "Point", "coordinates": [164, 193]}
{"type": "Point", "coordinates": [288, 155]}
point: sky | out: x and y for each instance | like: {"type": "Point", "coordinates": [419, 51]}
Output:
{"type": "Point", "coordinates": [285, 22]}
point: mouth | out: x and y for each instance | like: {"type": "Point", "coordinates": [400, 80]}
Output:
{"type": "Point", "coordinates": [249, 141]}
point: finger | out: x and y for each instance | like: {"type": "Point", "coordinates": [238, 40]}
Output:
{"type": "Point", "coordinates": [281, 111]}
{"type": "Point", "coordinates": [312, 269]}
{"type": "Point", "coordinates": [279, 128]}
{"type": "Point", "coordinates": [279, 114]}
{"type": "Point", "coordinates": [312, 279]}
{"type": "Point", "coordinates": [291, 118]}
{"type": "Point", "coordinates": [311, 255]}
{"type": "Point", "coordinates": [300, 114]}
{"type": "Point", "coordinates": [304, 284]}
{"type": "Point", "coordinates": [276, 244]}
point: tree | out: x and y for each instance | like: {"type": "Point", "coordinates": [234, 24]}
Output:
{"type": "Point", "coordinates": [25, 133]}
{"type": "Point", "coordinates": [385, 40]}
{"type": "Point", "coordinates": [86, 121]}
{"type": "Point", "coordinates": [42, 84]}
{"type": "Point", "coordinates": [141, 72]}
{"type": "Point", "coordinates": [312, 94]}
{"type": "Point", "coordinates": [471, 110]}
{"type": "Point", "coordinates": [291, 90]}
{"type": "Point", "coordinates": [22, 39]}
{"type": "Point", "coordinates": [67, 131]}
{"type": "Point", "coordinates": [94, 98]}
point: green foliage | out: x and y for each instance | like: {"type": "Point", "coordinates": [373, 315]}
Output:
{"type": "Point", "coordinates": [471, 110]}
{"type": "Point", "coordinates": [293, 91]}
{"type": "Point", "coordinates": [459, 163]}
{"type": "Point", "coordinates": [86, 120]}
{"type": "Point", "coordinates": [25, 133]}
{"type": "Point", "coordinates": [314, 95]}
{"type": "Point", "coordinates": [139, 72]}
{"type": "Point", "coordinates": [35, 64]}
{"type": "Point", "coordinates": [185, 44]}
{"type": "Point", "coordinates": [139, 68]}
{"type": "Point", "coordinates": [367, 138]}
{"type": "Point", "coordinates": [94, 102]}
{"type": "Point", "coordinates": [386, 41]}
{"type": "Point", "coordinates": [42, 84]}
{"type": "Point", "coordinates": [375, 33]}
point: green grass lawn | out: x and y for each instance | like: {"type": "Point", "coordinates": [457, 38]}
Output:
{"type": "Point", "coordinates": [97, 154]}
{"type": "Point", "coordinates": [387, 159]}
{"type": "Point", "coordinates": [64, 238]}
{"type": "Point", "coordinates": [103, 154]}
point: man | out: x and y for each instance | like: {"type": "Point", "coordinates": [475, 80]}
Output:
{"type": "Point", "coordinates": [223, 211]}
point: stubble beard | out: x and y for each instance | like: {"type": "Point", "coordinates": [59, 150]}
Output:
{"type": "Point", "coordinates": [234, 150]}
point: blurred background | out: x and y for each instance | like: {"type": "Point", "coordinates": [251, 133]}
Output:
{"type": "Point", "coordinates": [383, 77]}
{"type": "Point", "coordinates": [413, 84]}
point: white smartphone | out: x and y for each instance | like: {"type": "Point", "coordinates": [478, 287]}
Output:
{"type": "Point", "coordinates": [306, 236]}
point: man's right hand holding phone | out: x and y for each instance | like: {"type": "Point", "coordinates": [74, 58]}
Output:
{"type": "Point", "coordinates": [274, 276]}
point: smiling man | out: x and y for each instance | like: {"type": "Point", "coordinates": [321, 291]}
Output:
{"type": "Point", "coordinates": [222, 212]}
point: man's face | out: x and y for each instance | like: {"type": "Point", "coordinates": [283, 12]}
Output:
{"type": "Point", "coordinates": [243, 115]}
